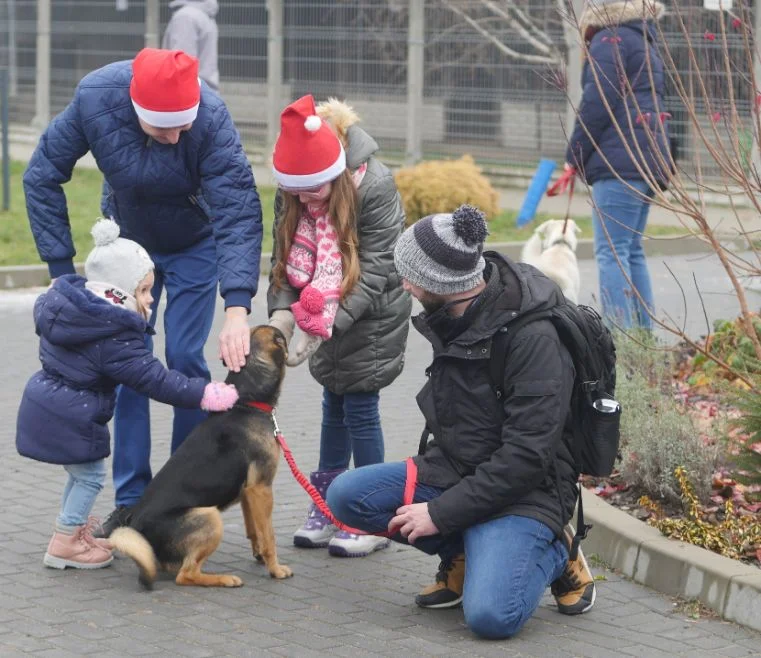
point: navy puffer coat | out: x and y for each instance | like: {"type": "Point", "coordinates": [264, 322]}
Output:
{"type": "Point", "coordinates": [87, 347]}
{"type": "Point", "coordinates": [165, 197]}
{"type": "Point", "coordinates": [621, 53]}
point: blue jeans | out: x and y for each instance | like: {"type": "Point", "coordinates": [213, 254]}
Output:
{"type": "Point", "coordinates": [190, 279]}
{"type": "Point", "coordinates": [624, 214]}
{"type": "Point", "coordinates": [510, 561]}
{"type": "Point", "coordinates": [82, 488]}
{"type": "Point", "coordinates": [350, 426]}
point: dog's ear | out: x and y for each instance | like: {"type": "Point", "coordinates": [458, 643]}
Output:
{"type": "Point", "coordinates": [540, 230]}
{"type": "Point", "coordinates": [576, 229]}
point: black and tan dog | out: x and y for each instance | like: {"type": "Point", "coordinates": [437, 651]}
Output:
{"type": "Point", "coordinates": [230, 457]}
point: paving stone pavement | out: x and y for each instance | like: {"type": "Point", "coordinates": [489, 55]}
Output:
{"type": "Point", "coordinates": [332, 606]}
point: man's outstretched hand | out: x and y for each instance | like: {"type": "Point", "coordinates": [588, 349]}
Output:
{"type": "Point", "coordinates": [413, 522]}
{"type": "Point", "coordinates": [235, 338]}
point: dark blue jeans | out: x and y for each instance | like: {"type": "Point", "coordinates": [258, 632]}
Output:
{"type": "Point", "coordinates": [190, 279]}
{"type": "Point", "coordinates": [510, 561]}
{"type": "Point", "coordinates": [350, 426]}
{"type": "Point", "coordinates": [624, 214]}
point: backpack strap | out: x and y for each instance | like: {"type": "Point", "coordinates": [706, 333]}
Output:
{"type": "Point", "coordinates": [423, 440]}
{"type": "Point", "coordinates": [499, 344]}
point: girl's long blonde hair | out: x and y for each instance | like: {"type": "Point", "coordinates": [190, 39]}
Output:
{"type": "Point", "coordinates": [343, 206]}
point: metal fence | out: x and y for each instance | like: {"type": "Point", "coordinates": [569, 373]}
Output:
{"type": "Point", "coordinates": [430, 78]}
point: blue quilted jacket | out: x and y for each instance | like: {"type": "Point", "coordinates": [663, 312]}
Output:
{"type": "Point", "coordinates": [166, 197]}
{"type": "Point", "coordinates": [620, 53]}
{"type": "Point", "coordinates": [87, 347]}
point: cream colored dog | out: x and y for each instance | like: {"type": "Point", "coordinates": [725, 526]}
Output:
{"type": "Point", "coordinates": [553, 252]}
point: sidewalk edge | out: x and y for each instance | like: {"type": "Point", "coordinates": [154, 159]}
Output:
{"type": "Point", "coordinates": [642, 553]}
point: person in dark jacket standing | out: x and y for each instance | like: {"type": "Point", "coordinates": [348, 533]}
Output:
{"type": "Point", "coordinates": [337, 219]}
{"type": "Point", "coordinates": [178, 183]}
{"type": "Point", "coordinates": [622, 115]}
{"type": "Point", "coordinates": [92, 339]}
{"type": "Point", "coordinates": [193, 29]}
{"type": "Point", "coordinates": [496, 486]}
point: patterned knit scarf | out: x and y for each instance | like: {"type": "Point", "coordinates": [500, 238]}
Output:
{"type": "Point", "coordinates": [314, 267]}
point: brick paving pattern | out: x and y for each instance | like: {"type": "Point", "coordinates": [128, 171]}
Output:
{"type": "Point", "coordinates": [332, 606]}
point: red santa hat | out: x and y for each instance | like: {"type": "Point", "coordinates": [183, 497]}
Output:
{"type": "Point", "coordinates": [165, 88]}
{"type": "Point", "coordinates": [308, 153]}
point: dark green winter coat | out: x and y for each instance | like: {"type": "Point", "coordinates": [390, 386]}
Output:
{"type": "Point", "coordinates": [366, 352]}
{"type": "Point", "coordinates": [500, 456]}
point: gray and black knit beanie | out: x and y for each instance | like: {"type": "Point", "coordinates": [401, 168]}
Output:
{"type": "Point", "coordinates": [443, 253]}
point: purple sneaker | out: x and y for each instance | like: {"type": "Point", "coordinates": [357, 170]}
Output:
{"type": "Point", "coordinates": [317, 530]}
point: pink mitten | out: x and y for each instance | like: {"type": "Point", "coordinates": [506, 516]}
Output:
{"type": "Point", "coordinates": [218, 397]}
{"type": "Point", "coordinates": [308, 312]}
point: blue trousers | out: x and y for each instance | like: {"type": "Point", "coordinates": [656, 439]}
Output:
{"type": "Point", "coordinates": [82, 488]}
{"type": "Point", "coordinates": [350, 426]}
{"type": "Point", "coordinates": [190, 279]}
{"type": "Point", "coordinates": [509, 561]}
{"type": "Point", "coordinates": [624, 214]}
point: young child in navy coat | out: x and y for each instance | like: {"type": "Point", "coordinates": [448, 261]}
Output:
{"type": "Point", "coordinates": [92, 338]}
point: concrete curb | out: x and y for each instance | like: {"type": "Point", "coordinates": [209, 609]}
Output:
{"type": "Point", "coordinates": [643, 554]}
{"type": "Point", "coordinates": [30, 276]}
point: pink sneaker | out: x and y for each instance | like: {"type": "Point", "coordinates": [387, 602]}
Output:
{"type": "Point", "coordinates": [78, 550]}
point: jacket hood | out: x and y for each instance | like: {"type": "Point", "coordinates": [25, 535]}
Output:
{"type": "Point", "coordinates": [615, 13]}
{"type": "Point", "coordinates": [209, 7]}
{"type": "Point", "coordinates": [507, 280]}
{"type": "Point", "coordinates": [69, 314]}
{"type": "Point", "coordinates": [361, 147]}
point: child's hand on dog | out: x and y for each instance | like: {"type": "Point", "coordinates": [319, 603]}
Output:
{"type": "Point", "coordinates": [218, 396]}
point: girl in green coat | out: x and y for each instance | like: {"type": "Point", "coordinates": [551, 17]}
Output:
{"type": "Point", "coordinates": [338, 216]}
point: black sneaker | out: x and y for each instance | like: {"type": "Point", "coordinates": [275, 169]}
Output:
{"type": "Point", "coordinates": [575, 590]}
{"type": "Point", "coordinates": [118, 518]}
{"type": "Point", "coordinates": [446, 592]}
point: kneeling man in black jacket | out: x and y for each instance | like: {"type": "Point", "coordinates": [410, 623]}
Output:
{"type": "Point", "coordinates": [496, 484]}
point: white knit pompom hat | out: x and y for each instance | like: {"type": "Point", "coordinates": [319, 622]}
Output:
{"type": "Point", "coordinates": [114, 260]}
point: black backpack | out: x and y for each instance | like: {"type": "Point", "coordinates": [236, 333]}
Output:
{"type": "Point", "coordinates": [596, 414]}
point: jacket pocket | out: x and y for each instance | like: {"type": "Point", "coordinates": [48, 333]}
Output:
{"type": "Point", "coordinates": [533, 405]}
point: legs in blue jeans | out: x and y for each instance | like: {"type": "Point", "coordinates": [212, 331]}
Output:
{"type": "Point", "coordinates": [367, 499]}
{"type": "Point", "coordinates": [623, 213]}
{"type": "Point", "coordinates": [510, 561]}
{"type": "Point", "coordinates": [82, 488]}
{"type": "Point", "coordinates": [190, 279]}
{"type": "Point", "coordinates": [350, 426]}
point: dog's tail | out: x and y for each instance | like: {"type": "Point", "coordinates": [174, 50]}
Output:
{"type": "Point", "coordinates": [130, 542]}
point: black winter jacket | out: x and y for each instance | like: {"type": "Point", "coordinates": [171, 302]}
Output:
{"type": "Point", "coordinates": [500, 456]}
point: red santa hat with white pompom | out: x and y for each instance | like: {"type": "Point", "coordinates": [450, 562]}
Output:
{"type": "Point", "coordinates": [307, 153]}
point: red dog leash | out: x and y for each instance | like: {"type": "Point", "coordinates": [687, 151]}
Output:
{"type": "Point", "coordinates": [319, 501]}
{"type": "Point", "coordinates": [566, 181]}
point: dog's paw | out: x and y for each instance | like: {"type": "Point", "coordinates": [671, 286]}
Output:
{"type": "Point", "coordinates": [230, 581]}
{"type": "Point", "coordinates": [281, 571]}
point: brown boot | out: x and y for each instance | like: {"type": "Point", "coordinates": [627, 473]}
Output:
{"type": "Point", "coordinates": [446, 592]}
{"type": "Point", "coordinates": [575, 590]}
{"type": "Point", "coordinates": [77, 549]}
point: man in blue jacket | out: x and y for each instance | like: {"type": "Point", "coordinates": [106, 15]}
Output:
{"type": "Point", "coordinates": [178, 182]}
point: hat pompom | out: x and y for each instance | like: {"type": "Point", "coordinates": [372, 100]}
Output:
{"type": "Point", "coordinates": [105, 232]}
{"type": "Point", "coordinates": [313, 123]}
{"type": "Point", "coordinates": [312, 300]}
{"type": "Point", "coordinates": [469, 223]}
